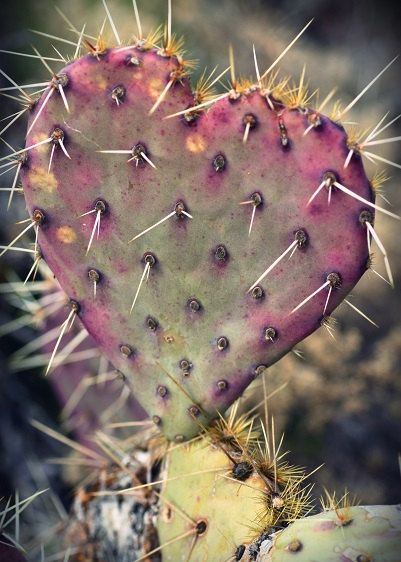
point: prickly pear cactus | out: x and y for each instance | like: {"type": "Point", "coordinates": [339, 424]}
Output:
{"type": "Point", "coordinates": [227, 495]}
{"type": "Point", "coordinates": [358, 534]}
{"type": "Point", "coordinates": [240, 488]}
{"type": "Point", "coordinates": [197, 248]}
{"type": "Point", "coordinates": [172, 234]}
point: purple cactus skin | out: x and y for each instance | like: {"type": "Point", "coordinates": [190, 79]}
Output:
{"type": "Point", "coordinates": [196, 336]}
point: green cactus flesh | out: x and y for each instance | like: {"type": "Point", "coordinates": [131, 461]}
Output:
{"type": "Point", "coordinates": [224, 496]}
{"type": "Point", "coordinates": [354, 534]}
{"type": "Point", "coordinates": [230, 488]}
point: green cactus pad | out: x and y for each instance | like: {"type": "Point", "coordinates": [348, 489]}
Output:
{"type": "Point", "coordinates": [355, 534]}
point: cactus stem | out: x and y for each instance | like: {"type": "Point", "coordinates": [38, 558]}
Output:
{"type": "Point", "coordinates": [180, 387]}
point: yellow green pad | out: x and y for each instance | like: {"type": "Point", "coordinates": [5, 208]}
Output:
{"type": "Point", "coordinates": [199, 486]}
{"type": "Point", "coordinates": [354, 534]}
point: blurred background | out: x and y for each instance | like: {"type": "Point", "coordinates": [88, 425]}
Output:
{"type": "Point", "coordinates": [342, 403]}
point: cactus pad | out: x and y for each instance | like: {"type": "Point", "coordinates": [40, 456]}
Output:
{"type": "Point", "coordinates": [182, 309]}
{"type": "Point", "coordinates": [358, 534]}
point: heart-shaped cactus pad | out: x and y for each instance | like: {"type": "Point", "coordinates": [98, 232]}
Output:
{"type": "Point", "coordinates": [187, 242]}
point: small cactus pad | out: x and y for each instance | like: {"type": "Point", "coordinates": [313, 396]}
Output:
{"type": "Point", "coordinates": [230, 488]}
{"type": "Point", "coordinates": [357, 534]}
{"type": "Point", "coordinates": [178, 308]}
{"type": "Point", "coordinates": [216, 491]}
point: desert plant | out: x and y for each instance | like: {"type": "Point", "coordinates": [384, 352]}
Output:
{"type": "Point", "coordinates": [199, 237]}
